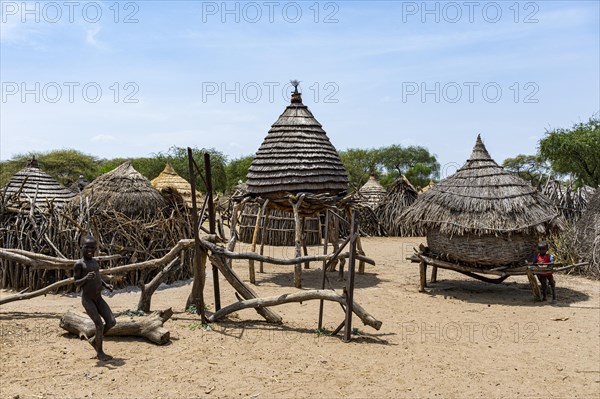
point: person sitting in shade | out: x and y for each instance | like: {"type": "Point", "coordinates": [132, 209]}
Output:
{"type": "Point", "coordinates": [87, 276]}
{"type": "Point", "coordinates": [543, 258]}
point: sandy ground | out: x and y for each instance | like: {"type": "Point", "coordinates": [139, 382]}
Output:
{"type": "Point", "coordinates": [463, 338]}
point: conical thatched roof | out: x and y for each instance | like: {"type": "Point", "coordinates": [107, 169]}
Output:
{"type": "Point", "coordinates": [31, 182]}
{"type": "Point", "coordinates": [296, 156]}
{"type": "Point", "coordinates": [482, 198]}
{"type": "Point", "coordinates": [371, 193]}
{"type": "Point", "coordinates": [400, 195]}
{"type": "Point", "coordinates": [124, 190]}
{"type": "Point", "coordinates": [587, 231]}
{"type": "Point", "coordinates": [168, 178]}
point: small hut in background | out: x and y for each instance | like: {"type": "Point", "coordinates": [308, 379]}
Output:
{"type": "Point", "coordinates": [587, 233]}
{"type": "Point", "coordinates": [427, 187]}
{"type": "Point", "coordinates": [32, 185]}
{"type": "Point", "coordinates": [400, 195]}
{"type": "Point", "coordinates": [371, 193]}
{"type": "Point", "coordinates": [482, 215]}
{"type": "Point", "coordinates": [168, 181]}
{"type": "Point", "coordinates": [123, 190]}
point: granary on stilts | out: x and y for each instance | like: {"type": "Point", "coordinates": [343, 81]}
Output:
{"type": "Point", "coordinates": [297, 170]}
{"type": "Point", "coordinates": [482, 215]}
{"type": "Point", "coordinates": [399, 196]}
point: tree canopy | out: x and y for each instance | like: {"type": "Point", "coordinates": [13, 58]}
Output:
{"type": "Point", "coordinates": [575, 151]}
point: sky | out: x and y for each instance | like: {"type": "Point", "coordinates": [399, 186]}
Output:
{"type": "Point", "coordinates": [133, 78]}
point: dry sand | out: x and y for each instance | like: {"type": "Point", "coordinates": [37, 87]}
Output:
{"type": "Point", "coordinates": [464, 338]}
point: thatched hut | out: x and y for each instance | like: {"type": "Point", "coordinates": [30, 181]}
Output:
{"type": "Point", "coordinates": [371, 193]}
{"type": "Point", "coordinates": [587, 232]}
{"type": "Point", "coordinates": [123, 190]}
{"type": "Point", "coordinates": [399, 196]}
{"type": "Point", "coordinates": [482, 215]}
{"type": "Point", "coordinates": [168, 179]}
{"type": "Point", "coordinates": [427, 187]}
{"type": "Point", "coordinates": [32, 184]}
{"type": "Point", "coordinates": [296, 156]}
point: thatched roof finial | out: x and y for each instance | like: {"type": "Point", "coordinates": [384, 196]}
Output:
{"type": "Point", "coordinates": [32, 163]}
{"type": "Point", "coordinates": [296, 95]}
{"type": "Point", "coordinates": [479, 151]}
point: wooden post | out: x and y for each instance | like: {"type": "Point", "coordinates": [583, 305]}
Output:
{"type": "Point", "coordinates": [212, 225]}
{"type": "Point", "coordinates": [361, 264]}
{"type": "Point", "coordinates": [325, 242]}
{"type": "Point", "coordinates": [298, 241]}
{"type": "Point", "coordinates": [304, 249]}
{"type": "Point", "coordinates": [197, 294]}
{"type": "Point", "coordinates": [434, 274]}
{"type": "Point", "coordinates": [253, 248]}
{"type": "Point", "coordinates": [423, 273]}
{"type": "Point", "coordinates": [350, 286]}
{"type": "Point", "coordinates": [535, 288]}
{"type": "Point", "coordinates": [263, 237]}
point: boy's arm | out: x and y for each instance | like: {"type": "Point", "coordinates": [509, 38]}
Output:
{"type": "Point", "coordinates": [78, 275]}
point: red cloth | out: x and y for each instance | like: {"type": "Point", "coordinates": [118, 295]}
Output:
{"type": "Point", "coordinates": [539, 258]}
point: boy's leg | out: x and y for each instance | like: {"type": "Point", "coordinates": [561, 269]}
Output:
{"type": "Point", "coordinates": [552, 287]}
{"type": "Point", "coordinates": [96, 340]}
{"type": "Point", "coordinates": [107, 315]}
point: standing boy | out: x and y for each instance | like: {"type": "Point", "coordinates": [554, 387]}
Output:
{"type": "Point", "coordinates": [542, 256]}
{"type": "Point", "coordinates": [87, 276]}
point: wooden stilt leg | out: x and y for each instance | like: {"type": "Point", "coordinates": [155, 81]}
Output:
{"type": "Point", "coordinates": [535, 288]}
{"type": "Point", "coordinates": [263, 238]}
{"type": "Point", "coordinates": [251, 270]}
{"type": "Point", "coordinates": [434, 274]}
{"type": "Point", "coordinates": [423, 272]}
{"type": "Point", "coordinates": [304, 249]}
{"type": "Point", "coordinates": [298, 242]}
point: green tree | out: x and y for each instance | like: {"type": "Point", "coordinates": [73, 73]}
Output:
{"type": "Point", "coordinates": [64, 165]}
{"type": "Point", "coordinates": [237, 170]}
{"type": "Point", "coordinates": [532, 168]}
{"type": "Point", "coordinates": [575, 151]}
{"type": "Point", "coordinates": [359, 164]}
{"type": "Point", "coordinates": [414, 162]}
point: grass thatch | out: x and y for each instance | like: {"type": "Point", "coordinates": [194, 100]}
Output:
{"type": "Point", "coordinates": [400, 195]}
{"type": "Point", "coordinates": [169, 179]}
{"type": "Point", "coordinates": [587, 233]}
{"type": "Point", "coordinates": [32, 185]}
{"type": "Point", "coordinates": [296, 156]}
{"type": "Point", "coordinates": [482, 198]}
{"type": "Point", "coordinates": [371, 193]}
{"type": "Point", "coordinates": [123, 190]}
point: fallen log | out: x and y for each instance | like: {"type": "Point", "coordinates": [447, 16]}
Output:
{"type": "Point", "coordinates": [149, 327]}
{"type": "Point", "coordinates": [327, 295]}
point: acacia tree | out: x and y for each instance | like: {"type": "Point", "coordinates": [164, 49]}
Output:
{"type": "Point", "coordinates": [532, 168]}
{"type": "Point", "coordinates": [575, 151]}
{"type": "Point", "coordinates": [360, 164]}
{"type": "Point", "coordinates": [414, 162]}
{"type": "Point", "coordinates": [237, 170]}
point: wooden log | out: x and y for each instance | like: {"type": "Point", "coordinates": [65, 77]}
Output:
{"type": "Point", "coordinates": [149, 327]}
{"type": "Point", "coordinates": [28, 295]}
{"type": "Point", "coordinates": [423, 276]}
{"type": "Point", "coordinates": [263, 238]}
{"type": "Point", "coordinates": [297, 240]}
{"type": "Point", "coordinates": [535, 288]}
{"type": "Point", "coordinates": [244, 290]}
{"type": "Point", "coordinates": [149, 289]}
{"type": "Point", "coordinates": [326, 295]}
{"type": "Point", "coordinates": [434, 274]}
{"type": "Point", "coordinates": [251, 271]}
